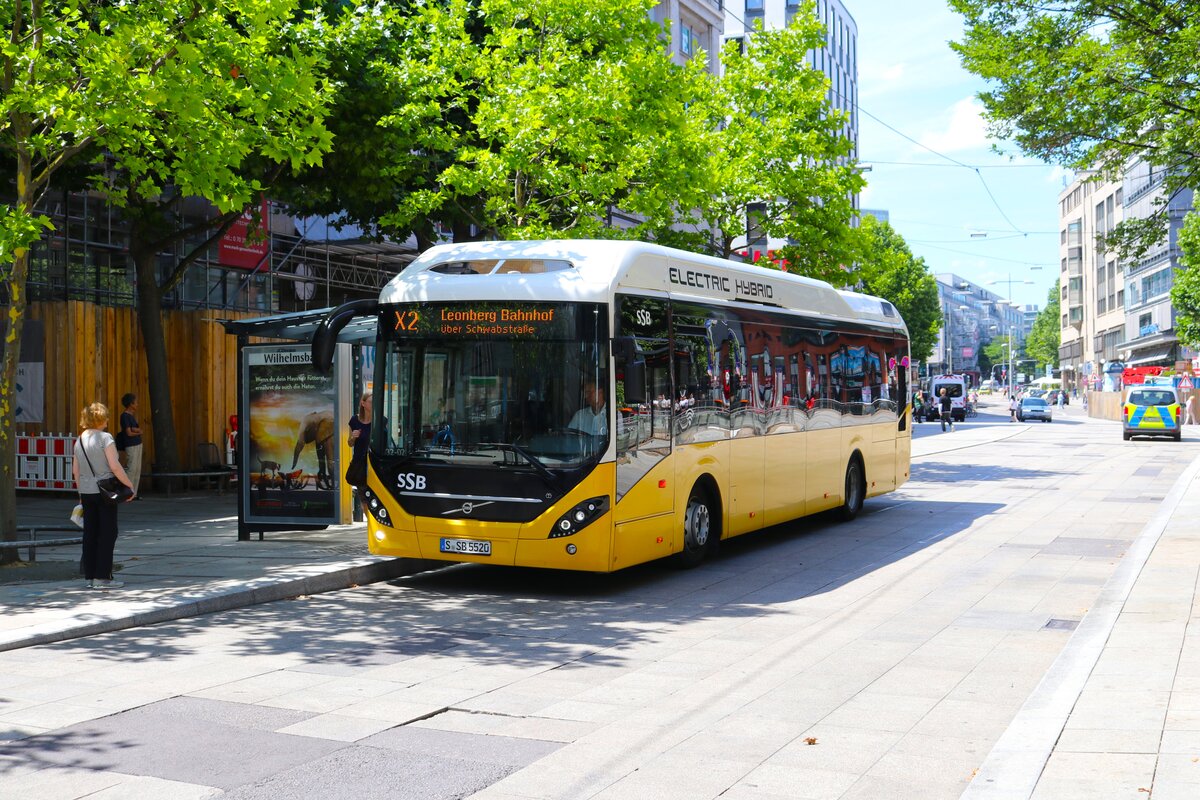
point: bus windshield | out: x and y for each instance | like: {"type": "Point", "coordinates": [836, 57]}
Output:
{"type": "Point", "coordinates": [494, 385]}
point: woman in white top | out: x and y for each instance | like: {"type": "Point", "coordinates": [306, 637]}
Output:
{"type": "Point", "coordinates": [96, 459]}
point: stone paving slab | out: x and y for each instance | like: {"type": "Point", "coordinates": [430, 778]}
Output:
{"type": "Point", "coordinates": [787, 638]}
{"type": "Point", "coordinates": [179, 558]}
{"type": "Point", "coordinates": [1081, 734]}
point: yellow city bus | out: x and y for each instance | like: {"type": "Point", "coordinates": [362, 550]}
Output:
{"type": "Point", "coordinates": [592, 405]}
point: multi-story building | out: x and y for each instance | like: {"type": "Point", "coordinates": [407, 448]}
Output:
{"type": "Point", "coordinates": [1149, 324]}
{"type": "Point", "coordinates": [1113, 314]}
{"type": "Point", "coordinates": [971, 317]}
{"type": "Point", "coordinates": [838, 59]}
{"type": "Point", "coordinates": [1092, 285]}
{"type": "Point", "coordinates": [696, 26]}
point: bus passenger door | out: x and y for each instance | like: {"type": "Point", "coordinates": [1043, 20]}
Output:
{"type": "Point", "coordinates": [885, 412]}
{"type": "Point", "coordinates": [643, 514]}
{"type": "Point", "coordinates": [904, 425]}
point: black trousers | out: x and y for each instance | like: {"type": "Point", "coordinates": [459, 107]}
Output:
{"type": "Point", "coordinates": [99, 537]}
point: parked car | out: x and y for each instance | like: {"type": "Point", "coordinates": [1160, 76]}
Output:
{"type": "Point", "coordinates": [1031, 408]}
{"type": "Point", "coordinates": [1151, 411]}
{"type": "Point", "coordinates": [1052, 397]}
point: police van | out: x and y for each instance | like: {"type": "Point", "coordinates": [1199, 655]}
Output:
{"type": "Point", "coordinates": [1152, 409]}
{"type": "Point", "coordinates": [956, 388]}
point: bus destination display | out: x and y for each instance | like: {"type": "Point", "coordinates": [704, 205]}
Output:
{"type": "Point", "coordinates": [483, 320]}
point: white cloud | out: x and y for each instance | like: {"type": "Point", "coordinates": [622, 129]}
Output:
{"type": "Point", "coordinates": [964, 131]}
{"type": "Point", "coordinates": [877, 77]}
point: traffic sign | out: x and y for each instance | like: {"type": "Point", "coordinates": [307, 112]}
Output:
{"type": "Point", "coordinates": [1185, 382]}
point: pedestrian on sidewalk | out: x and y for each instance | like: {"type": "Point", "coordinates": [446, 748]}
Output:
{"type": "Point", "coordinates": [359, 440]}
{"type": "Point", "coordinates": [947, 406]}
{"type": "Point", "coordinates": [97, 451]}
{"type": "Point", "coordinates": [129, 442]}
{"type": "Point", "coordinates": [1012, 408]}
{"type": "Point", "coordinates": [1189, 409]}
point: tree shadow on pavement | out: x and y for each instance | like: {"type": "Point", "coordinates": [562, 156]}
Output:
{"type": "Point", "coordinates": [537, 620]}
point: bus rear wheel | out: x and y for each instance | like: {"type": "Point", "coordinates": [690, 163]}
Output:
{"type": "Point", "coordinates": [856, 489]}
{"type": "Point", "coordinates": [700, 529]}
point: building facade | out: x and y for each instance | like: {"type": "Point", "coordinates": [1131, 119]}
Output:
{"type": "Point", "coordinates": [972, 316]}
{"type": "Point", "coordinates": [696, 27]}
{"type": "Point", "coordinates": [1149, 316]}
{"type": "Point", "coordinates": [838, 59]}
{"type": "Point", "coordinates": [1092, 284]}
{"type": "Point", "coordinates": [1116, 314]}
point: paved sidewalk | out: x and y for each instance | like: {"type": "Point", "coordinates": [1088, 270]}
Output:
{"type": "Point", "coordinates": [179, 557]}
{"type": "Point", "coordinates": [1118, 713]}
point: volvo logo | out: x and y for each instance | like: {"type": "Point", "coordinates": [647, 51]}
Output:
{"type": "Point", "coordinates": [468, 507]}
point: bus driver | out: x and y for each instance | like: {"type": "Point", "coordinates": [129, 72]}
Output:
{"type": "Point", "coordinates": [593, 417]}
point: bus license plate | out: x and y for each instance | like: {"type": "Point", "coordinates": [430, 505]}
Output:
{"type": "Point", "coordinates": [469, 547]}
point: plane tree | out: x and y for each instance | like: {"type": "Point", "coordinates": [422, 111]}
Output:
{"type": "Point", "coordinates": [1096, 85]}
{"type": "Point", "coordinates": [175, 97]}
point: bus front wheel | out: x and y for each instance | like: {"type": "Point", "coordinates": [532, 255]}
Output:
{"type": "Point", "coordinates": [700, 529]}
{"type": "Point", "coordinates": [856, 489]}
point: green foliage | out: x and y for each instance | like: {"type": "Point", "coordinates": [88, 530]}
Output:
{"type": "Point", "coordinates": [1185, 293]}
{"type": "Point", "coordinates": [996, 351]}
{"type": "Point", "coordinates": [1092, 84]}
{"type": "Point", "coordinates": [889, 270]}
{"type": "Point", "coordinates": [531, 119]}
{"type": "Point", "coordinates": [772, 137]}
{"type": "Point", "coordinates": [173, 98]}
{"type": "Point", "coordinates": [18, 230]}
{"type": "Point", "coordinates": [1046, 335]}
{"type": "Point", "coordinates": [168, 91]}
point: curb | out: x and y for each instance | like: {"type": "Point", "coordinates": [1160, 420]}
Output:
{"type": "Point", "coordinates": [1014, 766]}
{"type": "Point", "coordinates": [335, 580]}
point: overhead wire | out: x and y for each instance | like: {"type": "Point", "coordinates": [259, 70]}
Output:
{"type": "Point", "coordinates": [954, 161]}
{"type": "Point", "coordinates": [975, 168]}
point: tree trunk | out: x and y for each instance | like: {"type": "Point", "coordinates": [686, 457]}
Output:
{"type": "Point", "coordinates": [154, 344]}
{"type": "Point", "coordinates": [15, 319]}
{"type": "Point", "coordinates": [8, 403]}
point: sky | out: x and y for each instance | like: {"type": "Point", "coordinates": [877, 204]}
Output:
{"type": "Point", "coordinates": [911, 81]}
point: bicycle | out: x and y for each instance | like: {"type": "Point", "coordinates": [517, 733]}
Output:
{"type": "Point", "coordinates": [971, 411]}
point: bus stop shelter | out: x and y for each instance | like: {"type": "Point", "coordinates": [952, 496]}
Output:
{"type": "Point", "coordinates": [288, 411]}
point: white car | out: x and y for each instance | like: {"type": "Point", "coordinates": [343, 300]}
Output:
{"type": "Point", "coordinates": [1032, 408]}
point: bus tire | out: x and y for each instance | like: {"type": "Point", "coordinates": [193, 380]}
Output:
{"type": "Point", "coordinates": [856, 489]}
{"type": "Point", "coordinates": [701, 528]}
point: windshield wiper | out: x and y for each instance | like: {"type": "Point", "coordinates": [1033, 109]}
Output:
{"type": "Point", "coordinates": [541, 468]}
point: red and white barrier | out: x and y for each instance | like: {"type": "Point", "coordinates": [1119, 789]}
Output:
{"type": "Point", "coordinates": [44, 462]}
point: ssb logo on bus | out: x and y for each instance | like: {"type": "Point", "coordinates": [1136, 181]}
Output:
{"type": "Point", "coordinates": [410, 481]}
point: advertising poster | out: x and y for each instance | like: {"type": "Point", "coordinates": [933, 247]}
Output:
{"type": "Point", "coordinates": [238, 248]}
{"type": "Point", "coordinates": [291, 458]}
{"type": "Point", "coordinates": [31, 371]}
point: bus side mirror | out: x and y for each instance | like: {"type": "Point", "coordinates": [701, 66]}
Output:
{"type": "Point", "coordinates": [324, 339]}
{"type": "Point", "coordinates": [634, 368]}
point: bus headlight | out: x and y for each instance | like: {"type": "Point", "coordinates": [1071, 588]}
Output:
{"type": "Point", "coordinates": [579, 517]}
{"type": "Point", "coordinates": [376, 507]}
